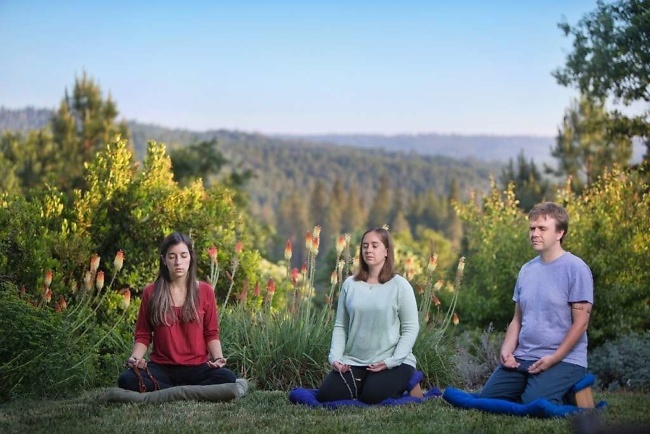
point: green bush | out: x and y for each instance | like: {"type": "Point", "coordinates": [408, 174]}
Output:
{"type": "Point", "coordinates": [124, 207]}
{"type": "Point", "coordinates": [609, 231]}
{"type": "Point", "coordinates": [39, 355]}
{"type": "Point", "coordinates": [623, 363]}
{"type": "Point", "coordinates": [496, 244]}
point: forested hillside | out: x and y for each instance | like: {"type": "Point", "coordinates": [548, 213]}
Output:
{"type": "Point", "coordinates": [373, 186]}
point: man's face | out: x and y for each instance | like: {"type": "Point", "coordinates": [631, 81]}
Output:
{"type": "Point", "coordinates": [543, 233]}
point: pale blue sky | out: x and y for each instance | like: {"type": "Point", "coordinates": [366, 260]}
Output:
{"type": "Point", "coordinates": [466, 66]}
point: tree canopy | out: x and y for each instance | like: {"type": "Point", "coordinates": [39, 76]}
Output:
{"type": "Point", "coordinates": [611, 58]}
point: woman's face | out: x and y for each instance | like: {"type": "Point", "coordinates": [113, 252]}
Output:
{"type": "Point", "coordinates": [373, 250]}
{"type": "Point", "coordinates": [177, 259]}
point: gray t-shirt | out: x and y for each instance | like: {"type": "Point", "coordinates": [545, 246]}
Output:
{"type": "Point", "coordinates": [544, 291]}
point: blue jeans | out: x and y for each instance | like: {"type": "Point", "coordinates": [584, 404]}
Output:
{"type": "Point", "coordinates": [516, 384]}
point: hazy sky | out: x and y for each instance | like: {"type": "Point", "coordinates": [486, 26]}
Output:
{"type": "Point", "coordinates": [467, 67]}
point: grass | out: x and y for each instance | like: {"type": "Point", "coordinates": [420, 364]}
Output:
{"type": "Point", "coordinates": [263, 411]}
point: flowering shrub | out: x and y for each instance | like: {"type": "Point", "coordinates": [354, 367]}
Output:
{"type": "Point", "coordinates": [52, 344]}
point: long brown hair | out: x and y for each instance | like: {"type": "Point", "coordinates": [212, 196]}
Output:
{"type": "Point", "coordinates": [388, 270]}
{"type": "Point", "coordinates": [160, 306]}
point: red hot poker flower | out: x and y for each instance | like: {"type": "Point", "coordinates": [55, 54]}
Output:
{"type": "Point", "coordinates": [270, 286]}
{"type": "Point", "coordinates": [340, 244]}
{"type": "Point", "coordinates": [48, 278]}
{"type": "Point", "coordinates": [287, 251]}
{"type": "Point", "coordinates": [212, 253]}
{"type": "Point", "coordinates": [94, 263]}
{"type": "Point", "coordinates": [118, 262]}
{"type": "Point", "coordinates": [126, 297]}
{"type": "Point", "coordinates": [99, 281]}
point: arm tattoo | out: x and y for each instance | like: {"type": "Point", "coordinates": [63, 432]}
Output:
{"type": "Point", "coordinates": [580, 308]}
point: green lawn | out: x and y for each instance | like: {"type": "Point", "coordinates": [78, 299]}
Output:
{"type": "Point", "coordinates": [261, 411]}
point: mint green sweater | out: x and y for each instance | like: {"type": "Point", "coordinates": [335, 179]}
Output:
{"type": "Point", "coordinates": [375, 323]}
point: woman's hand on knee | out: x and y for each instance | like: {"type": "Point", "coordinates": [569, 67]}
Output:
{"type": "Point", "coordinates": [218, 362]}
{"type": "Point", "coordinates": [135, 362]}
{"type": "Point", "coordinates": [340, 367]}
{"type": "Point", "coordinates": [376, 367]}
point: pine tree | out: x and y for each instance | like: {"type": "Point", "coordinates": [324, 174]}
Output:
{"type": "Point", "coordinates": [584, 149]}
{"type": "Point", "coordinates": [83, 125]}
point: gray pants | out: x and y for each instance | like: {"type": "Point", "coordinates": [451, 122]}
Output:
{"type": "Point", "coordinates": [516, 384]}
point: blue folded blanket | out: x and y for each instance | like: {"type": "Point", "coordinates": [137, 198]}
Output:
{"type": "Point", "coordinates": [541, 408]}
{"type": "Point", "coordinates": [304, 396]}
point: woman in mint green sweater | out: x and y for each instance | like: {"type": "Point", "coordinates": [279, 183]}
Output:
{"type": "Point", "coordinates": [375, 329]}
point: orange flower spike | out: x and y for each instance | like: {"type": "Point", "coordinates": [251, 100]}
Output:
{"type": "Point", "coordinates": [287, 251]}
{"type": "Point", "coordinates": [47, 294]}
{"type": "Point", "coordinates": [94, 263]}
{"type": "Point", "coordinates": [243, 295]}
{"type": "Point", "coordinates": [438, 285]}
{"type": "Point", "coordinates": [315, 244]}
{"type": "Point", "coordinates": [99, 281]}
{"type": "Point", "coordinates": [87, 280]}
{"type": "Point", "coordinates": [420, 289]}
{"type": "Point", "coordinates": [270, 286]}
{"type": "Point", "coordinates": [238, 248]}
{"type": "Point", "coordinates": [433, 263]}
{"type": "Point", "coordinates": [334, 278]}
{"type": "Point", "coordinates": [309, 242]}
{"type": "Point", "coordinates": [48, 278]}
{"type": "Point", "coordinates": [295, 276]}
{"type": "Point", "coordinates": [212, 253]}
{"type": "Point", "coordinates": [118, 262]}
{"type": "Point", "coordinates": [126, 297]}
{"type": "Point", "coordinates": [303, 270]}
{"type": "Point", "coordinates": [409, 264]}
{"type": "Point", "coordinates": [340, 245]}
{"type": "Point", "coordinates": [73, 286]}
{"type": "Point", "coordinates": [257, 289]}
{"type": "Point", "coordinates": [435, 300]}
{"type": "Point", "coordinates": [455, 319]}
{"type": "Point", "coordinates": [62, 304]}
{"type": "Point", "coordinates": [316, 231]}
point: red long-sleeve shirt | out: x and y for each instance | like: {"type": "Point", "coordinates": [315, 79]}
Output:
{"type": "Point", "coordinates": [181, 343]}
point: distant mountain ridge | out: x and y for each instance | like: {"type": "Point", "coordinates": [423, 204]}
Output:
{"type": "Point", "coordinates": [487, 148]}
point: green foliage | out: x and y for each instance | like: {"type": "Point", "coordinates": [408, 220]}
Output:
{"type": "Point", "coordinates": [623, 362]}
{"type": "Point", "coordinates": [39, 355]}
{"type": "Point", "coordinates": [609, 59]}
{"type": "Point", "coordinates": [56, 347]}
{"type": "Point", "coordinates": [584, 149]}
{"type": "Point", "coordinates": [530, 187]}
{"type": "Point", "coordinates": [497, 246]}
{"type": "Point", "coordinates": [609, 231]}
{"type": "Point", "coordinates": [123, 208]}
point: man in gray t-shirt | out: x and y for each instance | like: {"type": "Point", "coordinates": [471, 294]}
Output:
{"type": "Point", "coordinates": [544, 351]}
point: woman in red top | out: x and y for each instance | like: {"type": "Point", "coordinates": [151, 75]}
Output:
{"type": "Point", "coordinates": [178, 314]}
